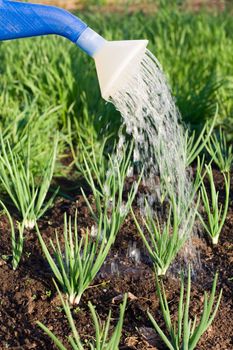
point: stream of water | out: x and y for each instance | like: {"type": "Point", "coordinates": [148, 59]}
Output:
{"type": "Point", "coordinates": [152, 119]}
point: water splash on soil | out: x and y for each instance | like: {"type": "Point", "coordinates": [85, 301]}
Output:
{"type": "Point", "coordinates": [134, 252]}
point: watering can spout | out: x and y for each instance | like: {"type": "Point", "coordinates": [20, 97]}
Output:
{"type": "Point", "coordinates": [113, 59]}
{"type": "Point", "coordinates": [116, 62]}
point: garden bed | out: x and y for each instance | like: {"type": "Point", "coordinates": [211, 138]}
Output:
{"type": "Point", "coordinates": [28, 295]}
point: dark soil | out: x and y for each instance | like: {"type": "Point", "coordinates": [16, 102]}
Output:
{"type": "Point", "coordinates": [28, 294]}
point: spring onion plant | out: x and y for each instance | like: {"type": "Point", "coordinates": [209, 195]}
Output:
{"type": "Point", "coordinates": [165, 241]}
{"type": "Point", "coordinates": [216, 213]}
{"type": "Point", "coordinates": [103, 341]}
{"type": "Point", "coordinates": [76, 266]}
{"type": "Point", "coordinates": [108, 189]}
{"type": "Point", "coordinates": [16, 240]}
{"type": "Point", "coordinates": [220, 151]}
{"type": "Point", "coordinates": [195, 146]}
{"type": "Point", "coordinates": [199, 173]}
{"type": "Point", "coordinates": [87, 145]}
{"type": "Point", "coordinates": [185, 333]}
{"type": "Point", "coordinates": [25, 191]}
{"type": "Point", "coordinates": [94, 155]}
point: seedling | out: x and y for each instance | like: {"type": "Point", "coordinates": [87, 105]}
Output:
{"type": "Point", "coordinates": [195, 146]}
{"type": "Point", "coordinates": [185, 333]}
{"type": "Point", "coordinates": [16, 240]}
{"type": "Point", "coordinates": [83, 258]}
{"type": "Point", "coordinates": [21, 186]}
{"type": "Point", "coordinates": [77, 264]}
{"type": "Point", "coordinates": [165, 242]}
{"type": "Point", "coordinates": [220, 151]}
{"type": "Point", "coordinates": [88, 148]}
{"type": "Point", "coordinates": [48, 293]}
{"type": "Point", "coordinates": [199, 173]}
{"type": "Point", "coordinates": [216, 214]}
{"type": "Point", "coordinates": [108, 189]}
{"type": "Point", "coordinates": [103, 341]}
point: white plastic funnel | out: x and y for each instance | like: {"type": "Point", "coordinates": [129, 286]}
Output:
{"type": "Point", "coordinates": [115, 61]}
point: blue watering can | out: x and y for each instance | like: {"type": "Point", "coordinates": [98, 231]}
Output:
{"type": "Point", "coordinates": [114, 59]}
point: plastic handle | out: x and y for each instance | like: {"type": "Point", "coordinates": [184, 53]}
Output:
{"type": "Point", "coordinates": [20, 20]}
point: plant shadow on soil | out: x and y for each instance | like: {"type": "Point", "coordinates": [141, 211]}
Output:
{"type": "Point", "coordinates": [28, 294]}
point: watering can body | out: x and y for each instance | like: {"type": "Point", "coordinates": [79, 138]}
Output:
{"type": "Point", "coordinates": [113, 59]}
{"type": "Point", "coordinates": [22, 20]}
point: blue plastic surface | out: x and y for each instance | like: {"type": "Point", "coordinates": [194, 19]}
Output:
{"type": "Point", "coordinates": [20, 20]}
{"type": "Point", "coordinates": [90, 42]}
